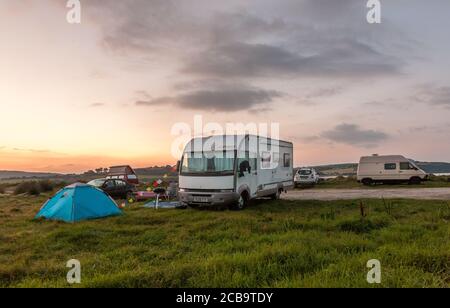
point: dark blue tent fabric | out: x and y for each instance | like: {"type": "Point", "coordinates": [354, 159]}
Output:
{"type": "Point", "coordinates": [79, 202]}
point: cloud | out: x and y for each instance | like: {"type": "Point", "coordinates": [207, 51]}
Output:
{"type": "Point", "coordinates": [142, 26]}
{"type": "Point", "coordinates": [354, 135]}
{"type": "Point", "coordinates": [310, 38]}
{"type": "Point", "coordinates": [31, 150]}
{"type": "Point", "coordinates": [96, 105]}
{"type": "Point", "coordinates": [433, 95]}
{"type": "Point", "coordinates": [225, 98]}
{"type": "Point", "coordinates": [325, 92]}
{"type": "Point", "coordinates": [348, 59]}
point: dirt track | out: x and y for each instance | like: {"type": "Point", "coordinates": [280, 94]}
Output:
{"type": "Point", "coordinates": [348, 194]}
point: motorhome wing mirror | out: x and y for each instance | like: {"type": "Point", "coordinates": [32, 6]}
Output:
{"type": "Point", "coordinates": [178, 166]}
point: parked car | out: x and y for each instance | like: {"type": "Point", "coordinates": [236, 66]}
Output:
{"type": "Point", "coordinates": [235, 170]}
{"type": "Point", "coordinates": [115, 188]}
{"type": "Point", "coordinates": [125, 173]}
{"type": "Point", "coordinates": [306, 177]}
{"type": "Point", "coordinates": [388, 169]}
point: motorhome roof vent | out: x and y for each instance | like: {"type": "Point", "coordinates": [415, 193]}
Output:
{"type": "Point", "coordinates": [376, 155]}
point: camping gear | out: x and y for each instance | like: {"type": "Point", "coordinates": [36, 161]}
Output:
{"type": "Point", "coordinates": [158, 191]}
{"type": "Point", "coordinates": [163, 205]}
{"type": "Point", "coordinates": [172, 190]}
{"type": "Point", "coordinates": [144, 195]}
{"type": "Point", "coordinates": [79, 202]}
{"type": "Point", "coordinates": [156, 183]}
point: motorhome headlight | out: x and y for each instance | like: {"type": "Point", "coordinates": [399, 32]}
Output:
{"type": "Point", "coordinates": [182, 190]}
{"type": "Point", "coordinates": [226, 190]}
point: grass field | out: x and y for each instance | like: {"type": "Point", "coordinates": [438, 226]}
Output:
{"type": "Point", "coordinates": [270, 244]}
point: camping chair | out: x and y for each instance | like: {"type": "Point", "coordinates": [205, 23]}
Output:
{"type": "Point", "coordinates": [158, 191]}
{"type": "Point", "coordinates": [172, 191]}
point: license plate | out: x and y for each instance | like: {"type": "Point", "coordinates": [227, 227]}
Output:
{"type": "Point", "coordinates": [201, 199]}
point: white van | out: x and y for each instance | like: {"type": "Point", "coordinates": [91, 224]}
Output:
{"type": "Point", "coordinates": [392, 168]}
{"type": "Point", "coordinates": [232, 170]}
{"type": "Point", "coordinates": [306, 177]}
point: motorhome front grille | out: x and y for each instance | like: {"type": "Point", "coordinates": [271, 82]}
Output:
{"type": "Point", "coordinates": [204, 190]}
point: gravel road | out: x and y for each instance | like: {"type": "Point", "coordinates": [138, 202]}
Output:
{"type": "Point", "coordinates": [348, 194]}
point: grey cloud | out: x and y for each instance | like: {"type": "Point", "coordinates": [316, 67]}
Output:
{"type": "Point", "coordinates": [144, 26]}
{"type": "Point", "coordinates": [354, 135]}
{"type": "Point", "coordinates": [295, 39]}
{"type": "Point", "coordinates": [324, 92]}
{"type": "Point", "coordinates": [433, 95]}
{"type": "Point", "coordinates": [347, 59]}
{"type": "Point", "coordinates": [96, 105]}
{"type": "Point", "coordinates": [226, 99]}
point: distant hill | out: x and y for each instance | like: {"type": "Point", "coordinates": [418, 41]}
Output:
{"type": "Point", "coordinates": [434, 167]}
{"type": "Point", "coordinates": [23, 174]}
{"type": "Point", "coordinates": [338, 169]}
{"type": "Point", "coordinates": [352, 168]}
{"type": "Point", "coordinates": [332, 169]}
{"type": "Point", "coordinates": [155, 171]}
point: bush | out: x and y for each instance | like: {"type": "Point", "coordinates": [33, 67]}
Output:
{"type": "Point", "coordinates": [2, 189]}
{"type": "Point", "coordinates": [35, 188]}
{"type": "Point", "coordinates": [46, 186]}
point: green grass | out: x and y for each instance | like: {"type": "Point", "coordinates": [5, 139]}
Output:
{"type": "Point", "coordinates": [350, 183]}
{"type": "Point", "coordinates": [270, 244]}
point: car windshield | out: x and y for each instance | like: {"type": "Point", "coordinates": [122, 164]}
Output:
{"type": "Point", "coordinates": [305, 172]}
{"type": "Point", "coordinates": [97, 183]}
{"type": "Point", "coordinates": [208, 163]}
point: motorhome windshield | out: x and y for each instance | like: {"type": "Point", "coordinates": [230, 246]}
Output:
{"type": "Point", "coordinates": [209, 163]}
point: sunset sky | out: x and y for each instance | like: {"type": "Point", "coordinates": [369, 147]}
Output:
{"type": "Point", "coordinates": [107, 91]}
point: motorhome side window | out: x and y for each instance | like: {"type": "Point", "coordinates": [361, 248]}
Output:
{"type": "Point", "coordinates": [392, 166]}
{"type": "Point", "coordinates": [287, 160]}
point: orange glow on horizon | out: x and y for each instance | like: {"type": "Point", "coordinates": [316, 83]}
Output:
{"type": "Point", "coordinates": [45, 162]}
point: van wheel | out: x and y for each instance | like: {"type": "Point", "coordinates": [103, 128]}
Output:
{"type": "Point", "coordinates": [415, 181]}
{"type": "Point", "coordinates": [367, 182]}
{"type": "Point", "coordinates": [242, 202]}
{"type": "Point", "coordinates": [277, 195]}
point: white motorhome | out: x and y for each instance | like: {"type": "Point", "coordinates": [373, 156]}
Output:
{"type": "Point", "coordinates": [390, 168]}
{"type": "Point", "coordinates": [232, 170]}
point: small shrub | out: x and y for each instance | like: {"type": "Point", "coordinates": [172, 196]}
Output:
{"type": "Point", "coordinates": [25, 187]}
{"type": "Point", "coordinates": [35, 188]}
{"type": "Point", "coordinates": [45, 186]}
{"type": "Point", "coordinates": [2, 189]}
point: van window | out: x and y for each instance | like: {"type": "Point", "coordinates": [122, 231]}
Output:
{"type": "Point", "coordinates": [406, 166]}
{"type": "Point", "coordinates": [266, 159]}
{"type": "Point", "coordinates": [287, 160]}
{"type": "Point", "coordinates": [390, 166]}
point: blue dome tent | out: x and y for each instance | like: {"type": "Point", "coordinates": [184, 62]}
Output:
{"type": "Point", "coordinates": [79, 202]}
